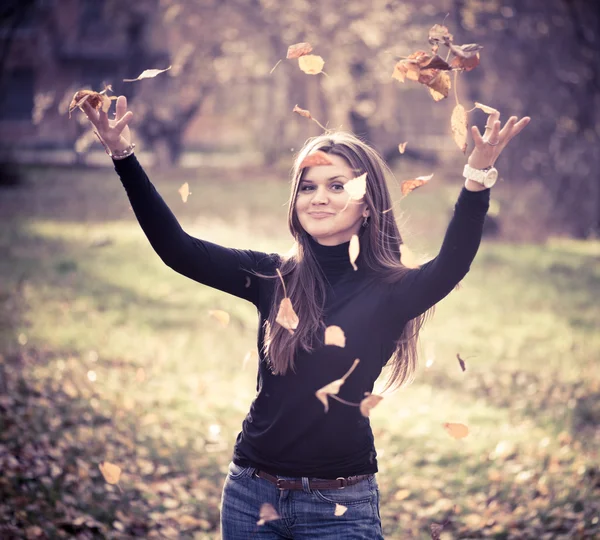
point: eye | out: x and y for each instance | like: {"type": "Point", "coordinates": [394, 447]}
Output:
{"type": "Point", "coordinates": [306, 187]}
{"type": "Point", "coordinates": [337, 187]}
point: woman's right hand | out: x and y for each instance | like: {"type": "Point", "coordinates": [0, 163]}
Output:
{"type": "Point", "coordinates": [115, 133]}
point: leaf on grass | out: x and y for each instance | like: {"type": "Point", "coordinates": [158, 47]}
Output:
{"type": "Point", "coordinates": [368, 403]}
{"type": "Point", "coordinates": [334, 335]}
{"type": "Point", "coordinates": [459, 125]}
{"type": "Point", "coordinates": [302, 112]}
{"type": "Point", "coordinates": [286, 316]}
{"type": "Point", "coordinates": [333, 387]}
{"type": "Point", "coordinates": [354, 250]}
{"type": "Point", "coordinates": [458, 431]}
{"type": "Point", "coordinates": [148, 74]}
{"type": "Point", "coordinates": [439, 33]}
{"type": "Point", "coordinates": [485, 108]}
{"type": "Point", "coordinates": [461, 362]}
{"type": "Point", "coordinates": [340, 510]}
{"type": "Point", "coordinates": [402, 147]}
{"type": "Point", "coordinates": [410, 185]}
{"type": "Point", "coordinates": [221, 316]}
{"type": "Point", "coordinates": [184, 191]}
{"type": "Point", "coordinates": [267, 513]}
{"type": "Point", "coordinates": [311, 64]}
{"type": "Point", "coordinates": [298, 49]}
{"type": "Point", "coordinates": [357, 187]}
{"type": "Point", "coordinates": [316, 159]}
{"type": "Point", "coordinates": [407, 257]}
{"type": "Point", "coordinates": [111, 472]}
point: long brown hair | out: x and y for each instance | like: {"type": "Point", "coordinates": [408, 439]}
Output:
{"type": "Point", "coordinates": [306, 285]}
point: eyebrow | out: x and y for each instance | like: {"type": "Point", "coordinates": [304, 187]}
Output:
{"type": "Point", "coordinates": [329, 179]}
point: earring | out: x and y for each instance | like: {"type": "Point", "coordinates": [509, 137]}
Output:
{"type": "Point", "coordinates": [365, 221]}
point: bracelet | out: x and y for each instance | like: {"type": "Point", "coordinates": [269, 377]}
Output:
{"type": "Point", "coordinates": [121, 154]}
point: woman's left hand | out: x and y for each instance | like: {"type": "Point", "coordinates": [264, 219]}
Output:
{"type": "Point", "coordinates": [489, 145]}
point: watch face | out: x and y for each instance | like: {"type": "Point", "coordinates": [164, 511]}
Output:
{"type": "Point", "coordinates": [490, 177]}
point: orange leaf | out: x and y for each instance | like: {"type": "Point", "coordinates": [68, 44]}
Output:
{"type": "Point", "coordinates": [334, 335]}
{"type": "Point", "coordinates": [184, 191]}
{"type": "Point", "coordinates": [311, 64]}
{"type": "Point", "coordinates": [302, 112]}
{"type": "Point", "coordinates": [221, 316]}
{"type": "Point", "coordinates": [357, 187]}
{"type": "Point", "coordinates": [333, 387]}
{"type": "Point", "coordinates": [111, 472]}
{"type": "Point", "coordinates": [340, 509]}
{"type": "Point", "coordinates": [466, 64]}
{"type": "Point", "coordinates": [458, 431]}
{"type": "Point", "coordinates": [368, 403]}
{"type": "Point", "coordinates": [459, 125]}
{"type": "Point", "coordinates": [354, 250]}
{"type": "Point", "coordinates": [286, 316]}
{"type": "Point", "coordinates": [299, 49]}
{"type": "Point", "coordinates": [267, 513]}
{"type": "Point", "coordinates": [147, 74]}
{"type": "Point", "coordinates": [316, 159]}
{"type": "Point", "coordinates": [402, 147]}
{"type": "Point", "coordinates": [409, 185]}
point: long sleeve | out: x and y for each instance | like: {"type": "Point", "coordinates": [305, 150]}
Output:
{"type": "Point", "coordinates": [226, 269]}
{"type": "Point", "coordinates": [426, 286]}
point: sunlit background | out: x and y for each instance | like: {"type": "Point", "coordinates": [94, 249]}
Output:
{"type": "Point", "coordinates": [108, 356]}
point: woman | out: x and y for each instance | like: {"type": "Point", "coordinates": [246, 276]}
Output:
{"type": "Point", "coordinates": [302, 458]}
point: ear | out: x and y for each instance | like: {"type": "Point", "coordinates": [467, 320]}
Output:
{"type": "Point", "coordinates": [366, 212]}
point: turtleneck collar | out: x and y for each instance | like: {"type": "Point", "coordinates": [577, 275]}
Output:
{"type": "Point", "coordinates": [334, 260]}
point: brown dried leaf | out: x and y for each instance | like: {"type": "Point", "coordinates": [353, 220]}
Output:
{"type": "Point", "coordinates": [267, 513]}
{"type": "Point", "coordinates": [458, 431]}
{"type": "Point", "coordinates": [81, 96]}
{"type": "Point", "coordinates": [184, 191]}
{"type": "Point", "coordinates": [368, 403]}
{"type": "Point", "coordinates": [436, 63]}
{"type": "Point", "coordinates": [459, 124]}
{"type": "Point", "coordinates": [461, 362]}
{"type": "Point", "coordinates": [340, 509]}
{"type": "Point", "coordinates": [286, 316]}
{"type": "Point", "coordinates": [311, 64]}
{"type": "Point", "coordinates": [439, 33]}
{"type": "Point", "coordinates": [316, 159]}
{"type": "Point", "coordinates": [409, 185]}
{"type": "Point", "coordinates": [298, 49]}
{"type": "Point", "coordinates": [148, 74]}
{"type": "Point", "coordinates": [402, 147]}
{"type": "Point", "coordinates": [111, 472]}
{"type": "Point", "coordinates": [465, 64]}
{"type": "Point", "coordinates": [334, 387]}
{"type": "Point", "coordinates": [221, 316]}
{"type": "Point", "coordinates": [440, 86]}
{"type": "Point", "coordinates": [357, 187]}
{"type": "Point", "coordinates": [334, 335]}
{"type": "Point", "coordinates": [302, 112]}
{"type": "Point", "coordinates": [354, 250]}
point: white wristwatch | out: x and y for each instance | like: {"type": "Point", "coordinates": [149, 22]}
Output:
{"type": "Point", "coordinates": [486, 177]}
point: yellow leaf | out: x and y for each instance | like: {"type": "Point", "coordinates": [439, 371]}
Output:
{"type": "Point", "coordinates": [340, 510]}
{"type": "Point", "coordinates": [147, 74]}
{"type": "Point", "coordinates": [111, 472]}
{"type": "Point", "coordinates": [368, 403]}
{"type": "Point", "coordinates": [267, 513]}
{"type": "Point", "coordinates": [440, 86]}
{"type": "Point", "coordinates": [485, 108]}
{"type": "Point", "coordinates": [402, 147]}
{"type": "Point", "coordinates": [286, 316]}
{"type": "Point", "coordinates": [334, 335]}
{"type": "Point", "coordinates": [354, 250]}
{"type": "Point", "coordinates": [333, 387]}
{"type": "Point", "coordinates": [221, 316]}
{"type": "Point", "coordinates": [357, 187]}
{"type": "Point", "coordinates": [298, 49]}
{"type": "Point", "coordinates": [184, 191]}
{"type": "Point", "coordinates": [459, 125]}
{"type": "Point", "coordinates": [458, 431]}
{"type": "Point", "coordinates": [311, 64]}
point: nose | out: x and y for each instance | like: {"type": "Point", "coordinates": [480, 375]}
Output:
{"type": "Point", "coordinates": [320, 196]}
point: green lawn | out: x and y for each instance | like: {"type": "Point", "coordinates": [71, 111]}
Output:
{"type": "Point", "coordinates": [107, 354]}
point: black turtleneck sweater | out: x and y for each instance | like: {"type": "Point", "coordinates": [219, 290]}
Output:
{"type": "Point", "coordinates": [287, 431]}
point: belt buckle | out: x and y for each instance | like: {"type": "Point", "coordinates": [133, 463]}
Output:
{"type": "Point", "coordinates": [280, 483]}
{"type": "Point", "coordinates": [343, 481]}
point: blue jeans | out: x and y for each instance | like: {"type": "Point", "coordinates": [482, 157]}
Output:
{"type": "Point", "coordinates": [304, 514]}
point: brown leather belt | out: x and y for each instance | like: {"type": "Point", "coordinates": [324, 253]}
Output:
{"type": "Point", "coordinates": [338, 483]}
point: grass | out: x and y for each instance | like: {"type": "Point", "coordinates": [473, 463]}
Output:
{"type": "Point", "coordinates": [107, 354]}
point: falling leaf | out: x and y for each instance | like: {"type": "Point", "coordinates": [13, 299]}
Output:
{"type": "Point", "coordinates": [267, 513]}
{"type": "Point", "coordinates": [334, 335]}
{"type": "Point", "coordinates": [311, 64]}
{"type": "Point", "coordinates": [340, 509]}
{"type": "Point", "coordinates": [461, 362]}
{"type": "Point", "coordinates": [221, 316]}
{"type": "Point", "coordinates": [402, 147]}
{"type": "Point", "coordinates": [458, 431]}
{"type": "Point", "coordinates": [354, 250]}
{"type": "Point", "coordinates": [485, 108]}
{"type": "Point", "coordinates": [95, 99]}
{"type": "Point", "coordinates": [286, 316]}
{"type": "Point", "coordinates": [184, 191]}
{"type": "Point", "coordinates": [435, 63]}
{"type": "Point", "coordinates": [470, 50]}
{"type": "Point", "coordinates": [302, 112]}
{"type": "Point", "coordinates": [148, 74]}
{"type": "Point", "coordinates": [357, 187]}
{"type": "Point", "coordinates": [465, 64]}
{"type": "Point", "coordinates": [111, 472]}
{"type": "Point", "coordinates": [439, 33]}
{"type": "Point", "coordinates": [316, 159]}
{"type": "Point", "coordinates": [333, 387]}
{"type": "Point", "coordinates": [409, 185]}
{"type": "Point", "coordinates": [407, 257]}
{"type": "Point", "coordinates": [440, 86]}
{"type": "Point", "coordinates": [459, 125]}
{"type": "Point", "coordinates": [402, 494]}
{"type": "Point", "coordinates": [368, 403]}
{"type": "Point", "coordinates": [298, 49]}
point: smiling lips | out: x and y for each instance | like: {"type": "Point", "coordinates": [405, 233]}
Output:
{"type": "Point", "coordinates": [320, 215]}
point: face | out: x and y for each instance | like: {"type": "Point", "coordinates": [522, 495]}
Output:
{"type": "Point", "coordinates": [323, 206]}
